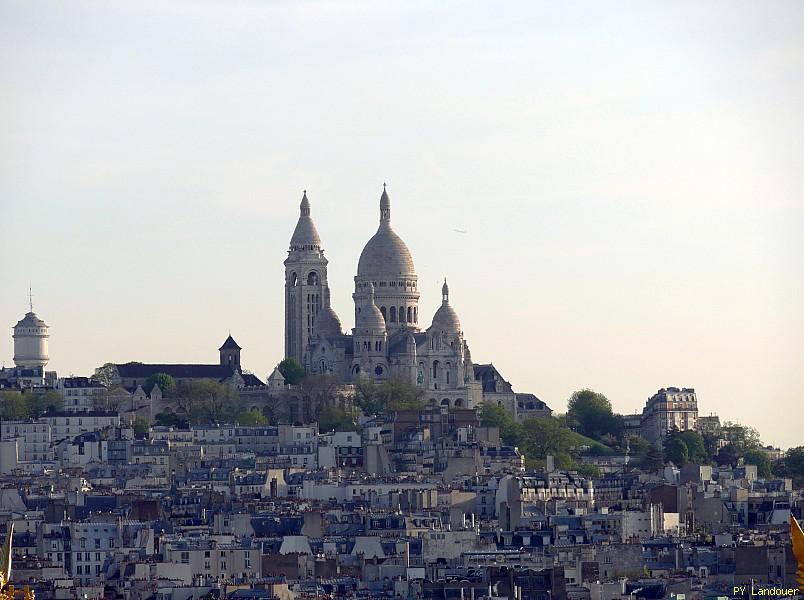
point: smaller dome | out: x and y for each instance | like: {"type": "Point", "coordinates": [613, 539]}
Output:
{"type": "Point", "coordinates": [369, 316]}
{"type": "Point", "coordinates": [327, 323]}
{"type": "Point", "coordinates": [30, 320]}
{"type": "Point", "coordinates": [445, 318]}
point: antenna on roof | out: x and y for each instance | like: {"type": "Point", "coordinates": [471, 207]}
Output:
{"type": "Point", "coordinates": [30, 297]}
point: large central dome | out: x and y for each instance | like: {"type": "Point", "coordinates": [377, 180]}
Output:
{"type": "Point", "coordinates": [385, 256]}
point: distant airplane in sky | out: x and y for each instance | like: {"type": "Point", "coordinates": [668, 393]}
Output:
{"type": "Point", "coordinates": [460, 231]}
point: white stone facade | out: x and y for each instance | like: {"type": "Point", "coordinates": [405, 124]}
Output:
{"type": "Point", "coordinates": [387, 340]}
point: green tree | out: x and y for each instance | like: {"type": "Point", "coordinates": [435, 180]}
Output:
{"type": "Point", "coordinates": [545, 436]}
{"type": "Point", "coordinates": [695, 445]}
{"type": "Point", "coordinates": [592, 415]}
{"type": "Point", "coordinates": [794, 464]}
{"type": "Point", "coordinates": [677, 452]}
{"type": "Point", "coordinates": [165, 382]}
{"type": "Point", "coordinates": [638, 445]}
{"type": "Point", "coordinates": [511, 432]}
{"type": "Point", "coordinates": [374, 398]}
{"type": "Point", "coordinates": [251, 417]}
{"type": "Point", "coordinates": [742, 437]}
{"type": "Point", "coordinates": [291, 370]}
{"type": "Point", "coordinates": [141, 428]}
{"type": "Point", "coordinates": [13, 405]}
{"type": "Point", "coordinates": [728, 456]}
{"type": "Point", "coordinates": [40, 403]}
{"type": "Point", "coordinates": [335, 418]}
{"type": "Point", "coordinates": [652, 461]}
{"type": "Point", "coordinates": [208, 401]}
{"type": "Point", "coordinates": [588, 471]}
{"type": "Point", "coordinates": [761, 460]}
{"type": "Point", "coordinates": [166, 419]}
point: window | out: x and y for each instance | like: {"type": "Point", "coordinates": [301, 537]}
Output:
{"type": "Point", "coordinates": [393, 314]}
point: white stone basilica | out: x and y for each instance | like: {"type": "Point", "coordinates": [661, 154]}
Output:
{"type": "Point", "coordinates": [387, 340]}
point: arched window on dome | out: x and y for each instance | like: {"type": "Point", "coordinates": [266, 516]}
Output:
{"type": "Point", "coordinates": [382, 310]}
{"type": "Point", "coordinates": [415, 314]}
{"type": "Point", "coordinates": [445, 402]}
{"type": "Point", "coordinates": [393, 314]}
{"type": "Point", "coordinates": [410, 314]}
{"type": "Point", "coordinates": [401, 314]}
{"type": "Point", "coordinates": [447, 370]}
{"type": "Point", "coordinates": [312, 278]}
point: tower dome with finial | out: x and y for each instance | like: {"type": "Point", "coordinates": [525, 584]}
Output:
{"type": "Point", "coordinates": [31, 336]}
{"type": "Point", "coordinates": [305, 280]}
{"type": "Point", "coordinates": [305, 236]}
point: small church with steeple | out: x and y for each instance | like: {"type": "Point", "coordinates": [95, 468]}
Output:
{"type": "Point", "coordinates": [387, 340]}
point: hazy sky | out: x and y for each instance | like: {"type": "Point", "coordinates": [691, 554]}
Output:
{"type": "Point", "coordinates": [629, 176]}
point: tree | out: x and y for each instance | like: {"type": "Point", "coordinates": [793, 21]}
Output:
{"type": "Point", "coordinates": [106, 375]}
{"type": "Point", "coordinates": [40, 403]}
{"type": "Point", "coordinates": [374, 398]}
{"type": "Point", "coordinates": [165, 419]}
{"type": "Point", "coordinates": [511, 432]}
{"type": "Point", "coordinates": [588, 471]}
{"type": "Point", "coordinates": [166, 383]}
{"type": "Point", "coordinates": [728, 456]}
{"type": "Point", "coordinates": [652, 461]}
{"type": "Point", "coordinates": [677, 452]}
{"type": "Point", "coordinates": [761, 460]}
{"type": "Point", "coordinates": [13, 405]}
{"type": "Point", "coordinates": [741, 436]}
{"type": "Point", "coordinates": [251, 417]}
{"type": "Point", "coordinates": [545, 436]}
{"type": "Point", "coordinates": [141, 428]}
{"type": "Point", "coordinates": [794, 464]}
{"type": "Point", "coordinates": [592, 415]}
{"type": "Point", "coordinates": [28, 405]}
{"type": "Point", "coordinates": [695, 445]}
{"type": "Point", "coordinates": [291, 370]}
{"type": "Point", "coordinates": [208, 401]}
{"type": "Point", "coordinates": [335, 418]}
{"type": "Point", "coordinates": [638, 445]}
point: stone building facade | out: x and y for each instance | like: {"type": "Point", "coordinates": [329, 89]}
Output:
{"type": "Point", "coordinates": [668, 409]}
{"type": "Point", "coordinates": [388, 340]}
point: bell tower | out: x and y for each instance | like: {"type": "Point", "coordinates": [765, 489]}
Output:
{"type": "Point", "coordinates": [230, 353]}
{"type": "Point", "coordinates": [305, 282]}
